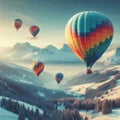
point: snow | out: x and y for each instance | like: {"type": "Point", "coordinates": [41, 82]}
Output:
{"type": "Point", "coordinates": [41, 94]}
{"type": "Point", "coordinates": [60, 106]}
{"type": "Point", "coordinates": [118, 82]}
{"type": "Point", "coordinates": [31, 107]}
{"type": "Point", "coordinates": [23, 81]}
{"type": "Point", "coordinates": [115, 115]}
{"type": "Point", "coordinates": [78, 89]}
{"type": "Point", "coordinates": [115, 67]}
{"type": "Point", "coordinates": [86, 113]}
{"type": "Point", "coordinates": [111, 57]}
{"type": "Point", "coordinates": [113, 93]}
{"type": "Point", "coordinates": [26, 75]}
{"type": "Point", "coordinates": [27, 52]}
{"type": "Point", "coordinates": [81, 89]}
{"type": "Point", "coordinates": [6, 115]}
{"type": "Point", "coordinates": [75, 94]}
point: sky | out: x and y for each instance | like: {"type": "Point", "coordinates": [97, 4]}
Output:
{"type": "Point", "coordinates": [51, 16]}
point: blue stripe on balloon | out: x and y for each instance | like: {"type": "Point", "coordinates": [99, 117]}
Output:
{"type": "Point", "coordinates": [80, 21]}
{"type": "Point", "coordinates": [36, 32]}
{"type": "Point", "coordinates": [98, 26]}
{"type": "Point", "coordinates": [80, 25]}
{"type": "Point", "coordinates": [92, 23]}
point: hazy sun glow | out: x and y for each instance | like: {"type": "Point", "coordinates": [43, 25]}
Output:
{"type": "Point", "coordinates": [48, 16]}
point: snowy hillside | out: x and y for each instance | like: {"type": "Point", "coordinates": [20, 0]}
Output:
{"type": "Point", "coordinates": [6, 115]}
{"type": "Point", "coordinates": [21, 83]}
{"type": "Point", "coordinates": [115, 115]}
{"type": "Point", "coordinates": [22, 74]}
{"type": "Point", "coordinates": [26, 75]}
{"type": "Point", "coordinates": [113, 93]}
{"type": "Point", "coordinates": [102, 79]}
{"type": "Point", "coordinates": [111, 57]}
{"type": "Point", "coordinates": [25, 52]}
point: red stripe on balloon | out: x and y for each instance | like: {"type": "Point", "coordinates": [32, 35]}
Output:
{"type": "Point", "coordinates": [94, 38]}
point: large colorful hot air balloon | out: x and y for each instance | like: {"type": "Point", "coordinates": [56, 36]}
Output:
{"type": "Point", "coordinates": [59, 77]}
{"type": "Point", "coordinates": [89, 34]}
{"type": "Point", "coordinates": [38, 68]}
{"type": "Point", "coordinates": [17, 23]}
{"type": "Point", "coordinates": [34, 30]}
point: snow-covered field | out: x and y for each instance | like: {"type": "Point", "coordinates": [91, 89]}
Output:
{"type": "Point", "coordinates": [115, 115]}
{"type": "Point", "coordinates": [6, 115]}
{"type": "Point", "coordinates": [113, 93]}
{"type": "Point", "coordinates": [81, 89]}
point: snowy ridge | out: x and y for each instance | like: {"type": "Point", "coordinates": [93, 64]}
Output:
{"type": "Point", "coordinates": [111, 57]}
{"type": "Point", "coordinates": [25, 52]}
{"type": "Point", "coordinates": [24, 75]}
{"type": "Point", "coordinates": [113, 93]}
{"type": "Point", "coordinates": [115, 115]}
{"type": "Point", "coordinates": [83, 83]}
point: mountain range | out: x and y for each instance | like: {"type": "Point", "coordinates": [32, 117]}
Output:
{"type": "Point", "coordinates": [111, 57]}
{"type": "Point", "coordinates": [25, 52]}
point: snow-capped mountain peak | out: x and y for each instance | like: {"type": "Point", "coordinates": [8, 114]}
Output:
{"type": "Point", "coordinates": [25, 45]}
{"type": "Point", "coordinates": [26, 52]}
{"type": "Point", "coordinates": [65, 48]}
{"type": "Point", "coordinates": [111, 57]}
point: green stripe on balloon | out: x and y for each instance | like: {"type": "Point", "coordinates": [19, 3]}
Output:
{"type": "Point", "coordinates": [95, 53]}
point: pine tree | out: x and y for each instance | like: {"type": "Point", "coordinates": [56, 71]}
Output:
{"type": "Point", "coordinates": [86, 118]}
{"type": "Point", "coordinates": [21, 117]}
{"type": "Point", "coordinates": [106, 107]}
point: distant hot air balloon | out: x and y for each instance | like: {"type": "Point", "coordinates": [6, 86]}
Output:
{"type": "Point", "coordinates": [17, 23]}
{"type": "Point", "coordinates": [59, 77]}
{"type": "Point", "coordinates": [38, 68]}
{"type": "Point", "coordinates": [34, 30]}
{"type": "Point", "coordinates": [89, 34]}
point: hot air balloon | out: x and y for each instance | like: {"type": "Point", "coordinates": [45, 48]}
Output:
{"type": "Point", "coordinates": [17, 23]}
{"type": "Point", "coordinates": [38, 68]}
{"type": "Point", "coordinates": [89, 34]}
{"type": "Point", "coordinates": [59, 77]}
{"type": "Point", "coordinates": [34, 30]}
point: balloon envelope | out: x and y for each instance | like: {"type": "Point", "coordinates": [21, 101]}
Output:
{"type": "Point", "coordinates": [34, 30]}
{"type": "Point", "coordinates": [89, 34]}
{"type": "Point", "coordinates": [38, 68]}
{"type": "Point", "coordinates": [17, 23]}
{"type": "Point", "coordinates": [59, 77]}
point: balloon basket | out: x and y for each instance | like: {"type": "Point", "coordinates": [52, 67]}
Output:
{"type": "Point", "coordinates": [89, 71]}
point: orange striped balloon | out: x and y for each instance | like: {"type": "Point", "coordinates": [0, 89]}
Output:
{"type": "Point", "coordinates": [38, 68]}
